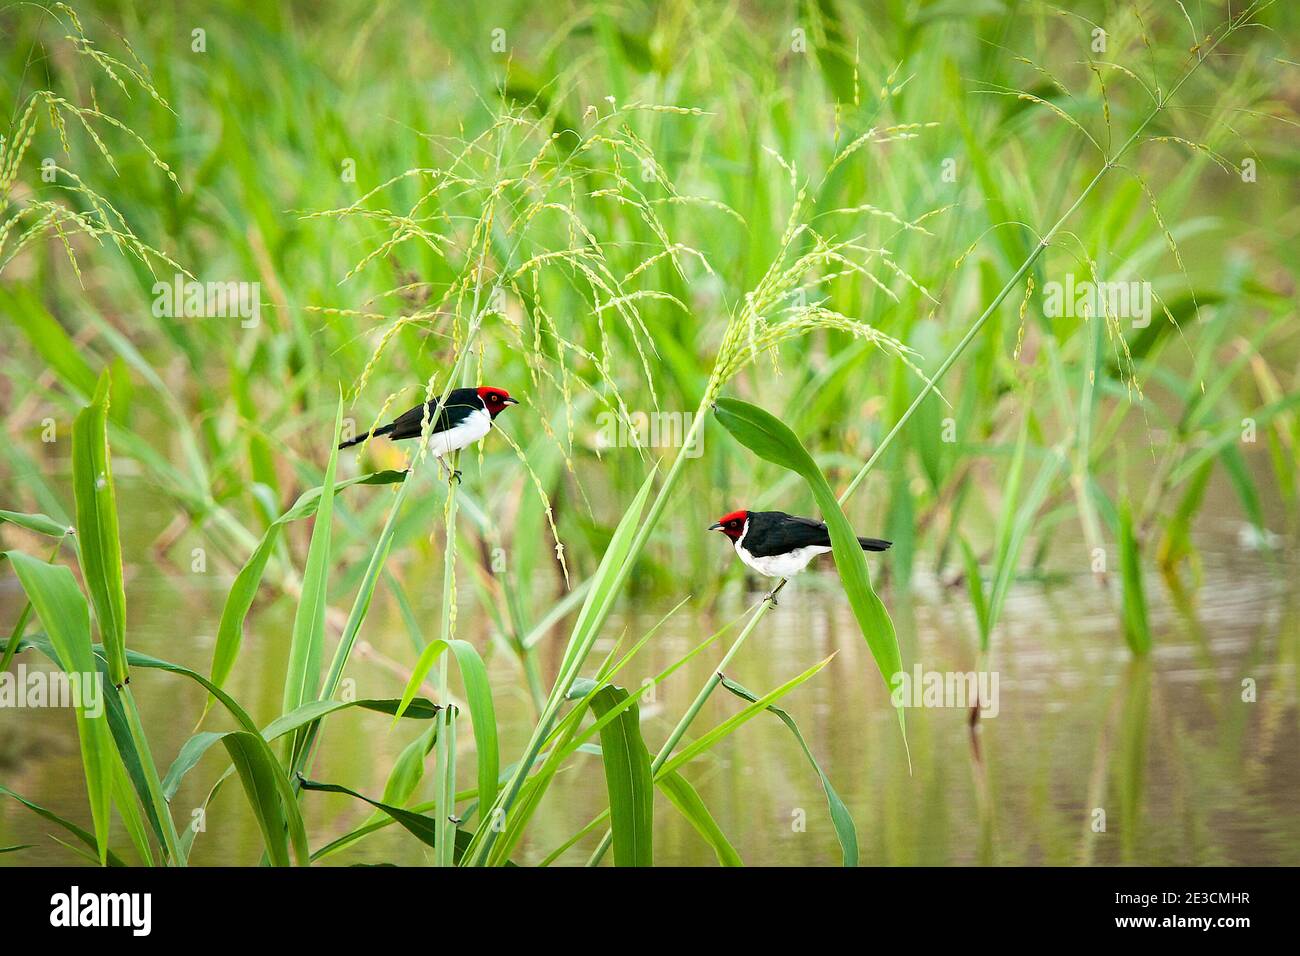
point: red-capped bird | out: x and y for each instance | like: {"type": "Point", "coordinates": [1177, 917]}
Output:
{"type": "Point", "coordinates": [778, 545]}
{"type": "Point", "coordinates": [466, 417]}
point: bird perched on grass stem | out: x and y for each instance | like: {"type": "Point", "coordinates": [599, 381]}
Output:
{"type": "Point", "coordinates": [778, 545]}
{"type": "Point", "coordinates": [466, 416]}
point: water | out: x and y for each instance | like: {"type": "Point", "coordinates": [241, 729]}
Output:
{"type": "Point", "coordinates": [1166, 753]}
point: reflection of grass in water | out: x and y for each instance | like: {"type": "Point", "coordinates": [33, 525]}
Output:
{"type": "Point", "coordinates": [579, 265]}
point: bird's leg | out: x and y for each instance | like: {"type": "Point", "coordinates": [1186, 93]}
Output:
{"type": "Point", "coordinates": [445, 468]}
{"type": "Point", "coordinates": [771, 595]}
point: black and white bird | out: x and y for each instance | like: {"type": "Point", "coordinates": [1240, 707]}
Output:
{"type": "Point", "coordinates": [778, 545]}
{"type": "Point", "coordinates": [466, 417]}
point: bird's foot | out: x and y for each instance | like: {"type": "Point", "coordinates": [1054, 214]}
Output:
{"type": "Point", "coordinates": [454, 476]}
{"type": "Point", "coordinates": [771, 598]}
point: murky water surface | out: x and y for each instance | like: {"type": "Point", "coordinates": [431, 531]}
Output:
{"type": "Point", "coordinates": [1090, 758]}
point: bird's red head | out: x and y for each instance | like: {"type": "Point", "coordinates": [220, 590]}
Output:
{"type": "Point", "coordinates": [732, 525]}
{"type": "Point", "coordinates": [497, 400]}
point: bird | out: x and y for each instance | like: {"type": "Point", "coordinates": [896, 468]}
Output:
{"type": "Point", "coordinates": [466, 416]}
{"type": "Point", "coordinates": [779, 545]}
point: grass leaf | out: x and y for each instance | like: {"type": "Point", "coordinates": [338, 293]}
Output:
{"type": "Point", "coordinates": [1137, 627]}
{"type": "Point", "coordinates": [683, 796]}
{"type": "Point", "coordinates": [841, 819]}
{"type": "Point", "coordinates": [307, 646]}
{"type": "Point", "coordinates": [99, 547]}
{"type": "Point", "coordinates": [627, 778]}
{"type": "Point", "coordinates": [769, 438]}
{"type": "Point", "coordinates": [65, 615]}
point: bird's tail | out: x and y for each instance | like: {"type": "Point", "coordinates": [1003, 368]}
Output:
{"type": "Point", "coordinates": [360, 438]}
{"type": "Point", "coordinates": [874, 544]}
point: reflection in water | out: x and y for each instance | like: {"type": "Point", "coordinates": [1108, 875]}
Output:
{"type": "Point", "coordinates": [1092, 758]}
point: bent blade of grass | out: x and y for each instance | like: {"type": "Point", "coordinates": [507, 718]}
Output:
{"type": "Point", "coordinates": [65, 615]}
{"type": "Point", "coordinates": [137, 659]}
{"type": "Point", "coordinates": [36, 523]}
{"type": "Point", "coordinates": [423, 828]}
{"type": "Point", "coordinates": [20, 625]}
{"type": "Point", "coordinates": [407, 771]}
{"type": "Point", "coordinates": [628, 779]}
{"type": "Point", "coordinates": [270, 796]}
{"type": "Point", "coordinates": [841, 819]}
{"type": "Point", "coordinates": [478, 697]}
{"type": "Point", "coordinates": [198, 744]}
{"type": "Point", "coordinates": [770, 439]}
{"type": "Point", "coordinates": [110, 858]}
{"type": "Point", "coordinates": [703, 743]}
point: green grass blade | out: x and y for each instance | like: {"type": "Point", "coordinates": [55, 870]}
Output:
{"type": "Point", "coordinates": [99, 547]}
{"type": "Point", "coordinates": [307, 646]}
{"type": "Point", "coordinates": [841, 819]}
{"type": "Point", "coordinates": [478, 696]}
{"type": "Point", "coordinates": [423, 828]}
{"type": "Point", "coordinates": [769, 438]}
{"type": "Point", "coordinates": [703, 743]}
{"type": "Point", "coordinates": [199, 744]}
{"type": "Point", "coordinates": [128, 808]}
{"type": "Point", "coordinates": [255, 762]}
{"type": "Point", "coordinates": [100, 552]}
{"type": "Point", "coordinates": [257, 775]}
{"type": "Point", "coordinates": [975, 586]}
{"type": "Point", "coordinates": [37, 523]}
{"type": "Point", "coordinates": [683, 796]}
{"type": "Point", "coordinates": [1137, 627]}
{"type": "Point", "coordinates": [1018, 530]}
{"type": "Point", "coordinates": [60, 354]}
{"type": "Point", "coordinates": [628, 779]}
{"type": "Point", "coordinates": [84, 836]}
{"type": "Point", "coordinates": [65, 615]}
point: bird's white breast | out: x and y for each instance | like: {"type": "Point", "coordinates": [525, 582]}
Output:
{"type": "Point", "coordinates": [476, 424]}
{"type": "Point", "coordinates": [778, 565]}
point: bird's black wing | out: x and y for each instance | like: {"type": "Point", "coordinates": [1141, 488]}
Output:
{"type": "Point", "coordinates": [775, 532]}
{"type": "Point", "coordinates": [457, 408]}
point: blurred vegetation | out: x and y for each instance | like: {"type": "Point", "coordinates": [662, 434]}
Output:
{"type": "Point", "coordinates": [590, 204]}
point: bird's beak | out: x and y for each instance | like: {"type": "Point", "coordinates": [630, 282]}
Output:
{"type": "Point", "coordinates": [716, 526]}
{"type": "Point", "coordinates": [510, 401]}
